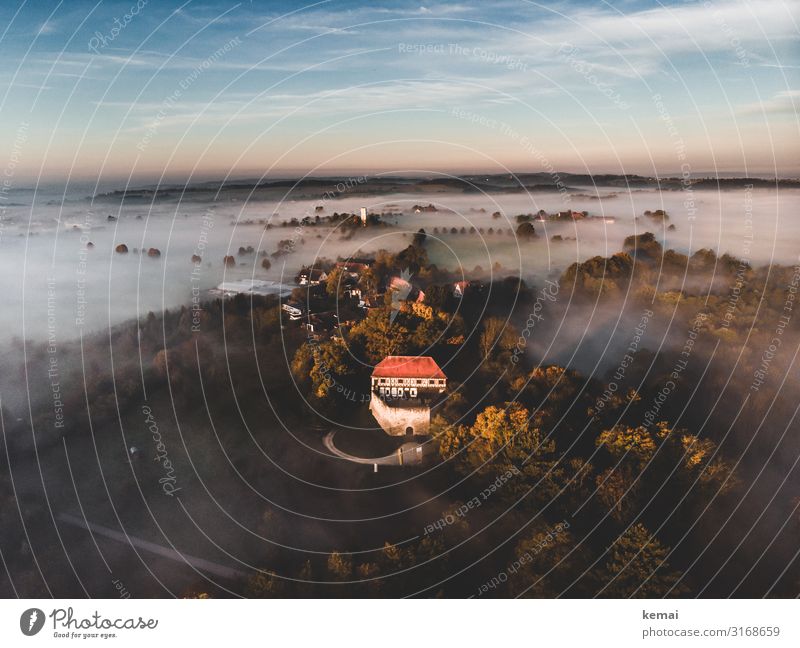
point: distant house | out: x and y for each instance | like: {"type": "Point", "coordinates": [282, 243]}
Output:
{"type": "Point", "coordinates": [354, 292]}
{"type": "Point", "coordinates": [294, 311]}
{"type": "Point", "coordinates": [318, 323]}
{"type": "Point", "coordinates": [417, 209]}
{"type": "Point", "coordinates": [402, 391]}
{"type": "Point", "coordinates": [405, 291]}
{"type": "Point", "coordinates": [353, 268]}
{"type": "Point", "coordinates": [460, 288]}
{"type": "Point", "coordinates": [400, 284]}
{"type": "Point", "coordinates": [251, 287]}
{"type": "Point", "coordinates": [311, 276]}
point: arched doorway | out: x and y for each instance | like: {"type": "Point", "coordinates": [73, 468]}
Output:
{"type": "Point", "coordinates": [409, 431]}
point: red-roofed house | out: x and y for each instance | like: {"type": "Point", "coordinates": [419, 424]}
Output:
{"type": "Point", "coordinates": [402, 390]}
{"type": "Point", "coordinates": [405, 291]}
{"type": "Point", "coordinates": [398, 283]}
{"type": "Point", "coordinates": [353, 268]}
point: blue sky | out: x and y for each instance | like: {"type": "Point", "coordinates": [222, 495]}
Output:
{"type": "Point", "coordinates": [123, 89]}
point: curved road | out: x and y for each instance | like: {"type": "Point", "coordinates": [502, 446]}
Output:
{"type": "Point", "coordinates": [408, 449]}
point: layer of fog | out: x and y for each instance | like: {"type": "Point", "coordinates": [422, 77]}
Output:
{"type": "Point", "coordinates": [43, 248]}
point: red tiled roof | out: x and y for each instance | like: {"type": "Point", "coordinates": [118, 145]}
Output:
{"type": "Point", "coordinates": [398, 283]}
{"type": "Point", "coordinates": [408, 367]}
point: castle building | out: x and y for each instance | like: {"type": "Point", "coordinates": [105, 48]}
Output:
{"type": "Point", "coordinates": [403, 389]}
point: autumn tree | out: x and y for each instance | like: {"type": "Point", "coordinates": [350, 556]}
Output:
{"type": "Point", "coordinates": [636, 566]}
{"type": "Point", "coordinates": [668, 469]}
{"type": "Point", "coordinates": [340, 566]}
{"type": "Point", "coordinates": [319, 367]}
{"type": "Point", "coordinates": [264, 584]}
{"type": "Point", "coordinates": [378, 335]}
{"type": "Point", "coordinates": [334, 284]}
{"type": "Point", "coordinates": [368, 281]}
{"type": "Point", "coordinates": [497, 337]}
{"type": "Point", "coordinates": [547, 562]}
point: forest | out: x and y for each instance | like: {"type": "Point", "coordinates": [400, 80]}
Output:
{"type": "Point", "coordinates": [651, 461]}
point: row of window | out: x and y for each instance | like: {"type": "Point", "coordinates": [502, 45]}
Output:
{"type": "Point", "coordinates": [436, 382]}
{"type": "Point", "coordinates": [398, 392]}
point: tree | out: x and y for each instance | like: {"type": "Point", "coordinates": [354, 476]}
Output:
{"type": "Point", "coordinates": [340, 566]}
{"type": "Point", "coordinates": [302, 364]}
{"type": "Point", "coordinates": [497, 336]}
{"type": "Point", "coordinates": [637, 567]}
{"type": "Point", "coordinates": [334, 284]}
{"type": "Point", "coordinates": [600, 274]}
{"type": "Point", "coordinates": [669, 453]}
{"type": "Point", "coordinates": [391, 557]}
{"type": "Point", "coordinates": [507, 443]}
{"type": "Point", "coordinates": [379, 336]}
{"type": "Point", "coordinates": [368, 281]}
{"type": "Point", "coordinates": [499, 435]}
{"type": "Point", "coordinates": [549, 562]}
{"type": "Point", "coordinates": [437, 297]}
{"type": "Point", "coordinates": [264, 585]}
{"type": "Point", "coordinates": [622, 440]}
{"type": "Point", "coordinates": [368, 573]}
{"type": "Point", "coordinates": [617, 490]}
{"type": "Point", "coordinates": [411, 259]}
{"type": "Point", "coordinates": [424, 332]}
{"type": "Point", "coordinates": [644, 245]}
{"type": "Point", "coordinates": [323, 368]}
{"type": "Point", "coordinates": [526, 230]}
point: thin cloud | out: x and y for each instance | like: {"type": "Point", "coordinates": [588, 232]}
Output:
{"type": "Point", "coordinates": [47, 27]}
{"type": "Point", "coordinates": [786, 102]}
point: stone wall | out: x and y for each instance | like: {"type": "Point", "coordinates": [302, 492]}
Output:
{"type": "Point", "coordinates": [396, 420]}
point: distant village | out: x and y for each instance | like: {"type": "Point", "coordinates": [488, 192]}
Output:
{"type": "Point", "coordinates": [326, 311]}
{"type": "Point", "coordinates": [332, 297]}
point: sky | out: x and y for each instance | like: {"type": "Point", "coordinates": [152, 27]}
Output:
{"type": "Point", "coordinates": [139, 91]}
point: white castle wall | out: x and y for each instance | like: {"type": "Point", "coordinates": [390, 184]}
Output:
{"type": "Point", "coordinates": [395, 420]}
